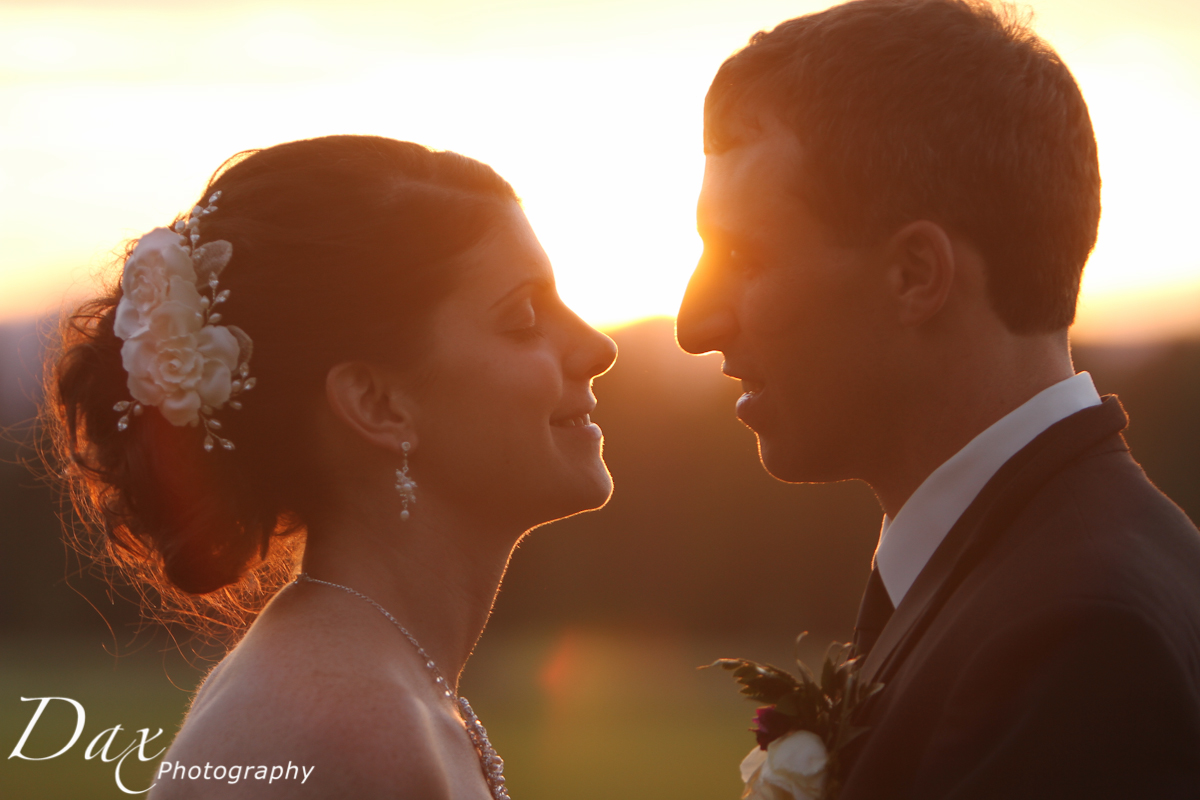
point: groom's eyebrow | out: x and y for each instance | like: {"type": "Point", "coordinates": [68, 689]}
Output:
{"type": "Point", "coordinates": [713, 233]}
{"type": "Point", "coordinates": [716, 235]}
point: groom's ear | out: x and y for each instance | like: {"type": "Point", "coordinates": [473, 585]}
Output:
{"type": "Point", "coordinates": [372, 403]}
{"type": "Point", "coordinates": [921, 269]}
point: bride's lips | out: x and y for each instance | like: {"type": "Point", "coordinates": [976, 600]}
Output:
{"type": "Point", "coordinates": [577, 422]}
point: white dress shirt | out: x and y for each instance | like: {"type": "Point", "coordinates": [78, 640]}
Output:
{"type": "Point", "coordinates": [907, 542]}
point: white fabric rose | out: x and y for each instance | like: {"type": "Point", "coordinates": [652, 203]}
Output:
{"type": "Point", "coordinates": [159, 270]}
{"type": "Point", "coordinates": [179, 366]}
{"type": "Point", "coordinates": [178, 359]}
{"type": "Point", "coordinates": [791, 768]}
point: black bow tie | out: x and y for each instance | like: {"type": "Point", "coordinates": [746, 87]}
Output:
{"type": "Point", "coordinates": [873, 614]}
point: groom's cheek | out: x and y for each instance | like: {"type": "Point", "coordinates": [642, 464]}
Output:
{"type": "Point", "coordinates": [806, 423]}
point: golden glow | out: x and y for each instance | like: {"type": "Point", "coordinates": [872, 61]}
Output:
{"type": "Point", "coordinates": [113, 115]}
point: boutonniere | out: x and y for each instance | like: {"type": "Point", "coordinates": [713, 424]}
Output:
{"type": "Point", "coordinates": [805, 729]}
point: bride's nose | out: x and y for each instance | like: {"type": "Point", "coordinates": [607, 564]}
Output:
{"type": "Point", "coordinates": [592, 355]}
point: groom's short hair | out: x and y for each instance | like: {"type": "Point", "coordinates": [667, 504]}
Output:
{"type": "Point", "coordinates": [949, 110]}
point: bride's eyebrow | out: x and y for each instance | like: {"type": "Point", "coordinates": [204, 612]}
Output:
{"type": "Point", "coordinates": [541, 284]}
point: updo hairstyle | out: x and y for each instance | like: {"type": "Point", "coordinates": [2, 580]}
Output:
{"type": "Point", "coordinates": [342, 247]}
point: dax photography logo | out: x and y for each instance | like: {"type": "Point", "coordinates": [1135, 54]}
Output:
{"type": "Point", "coordinates": [104, 745]}
{"type": "Point", "coordinates": [107, 746]}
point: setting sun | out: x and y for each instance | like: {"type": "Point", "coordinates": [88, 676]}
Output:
{"type": "Point", "coordinates": [115, 117]}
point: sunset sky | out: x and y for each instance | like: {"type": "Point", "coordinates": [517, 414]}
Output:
{"type": "Point", "coordinates": [114, 114]}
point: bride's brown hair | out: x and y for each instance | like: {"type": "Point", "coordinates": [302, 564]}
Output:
{"type": "Point", "coordinates": [342, 246]}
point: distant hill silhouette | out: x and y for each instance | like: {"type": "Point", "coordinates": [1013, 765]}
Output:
{"type": "Point", "coordinates": [19, 371]}
{"type": "Point", "coordinates": [697, 538]}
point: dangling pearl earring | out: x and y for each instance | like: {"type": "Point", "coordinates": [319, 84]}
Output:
{"type": "Point", "coordinates": [405, 485]}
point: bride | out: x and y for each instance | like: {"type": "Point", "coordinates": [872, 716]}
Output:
{"type": "Point", "coordinates": [353, 349]}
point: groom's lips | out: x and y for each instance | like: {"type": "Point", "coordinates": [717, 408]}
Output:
{"type": "Point", "coordinates": [749, 401]}
{"type": "Point", "coordinates": [751, 392]}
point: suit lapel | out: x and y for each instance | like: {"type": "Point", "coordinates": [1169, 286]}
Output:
{"type": "Point", "coordinates": [982, 524]}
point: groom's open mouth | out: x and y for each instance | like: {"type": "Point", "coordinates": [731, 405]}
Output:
{"type": "Point", "coordinates": [751, 389]}
{"type": "Point", "coordinates": [751, 386]}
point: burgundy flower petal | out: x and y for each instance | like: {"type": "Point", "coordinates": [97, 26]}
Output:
{"type": "Point", "coordinates": [770, 724]}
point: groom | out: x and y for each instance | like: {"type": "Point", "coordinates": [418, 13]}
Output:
{"type": "Point", "coordinates": [899, 197]}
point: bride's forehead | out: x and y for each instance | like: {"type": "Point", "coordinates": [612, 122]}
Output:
{"type": "Point", "coordinates": [509, 257]}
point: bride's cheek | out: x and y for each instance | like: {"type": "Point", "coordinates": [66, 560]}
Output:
{"type": "Point", "coordinates": [535, 378]}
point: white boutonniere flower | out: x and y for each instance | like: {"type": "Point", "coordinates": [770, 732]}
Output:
{"type": "Point", "coordinates": [804, 735]}
{"type": "Point", "coordinates": [792, 766]}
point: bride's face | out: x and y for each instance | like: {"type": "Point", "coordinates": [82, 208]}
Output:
{"type": "Point", "coordinates": [503, 403]}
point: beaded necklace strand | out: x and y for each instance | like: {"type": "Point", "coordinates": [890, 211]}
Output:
{"type": "Point", "coordinates": [492, 764]}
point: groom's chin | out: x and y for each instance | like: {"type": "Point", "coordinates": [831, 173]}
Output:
{"type": "Point", "coordinates": [797, 461]}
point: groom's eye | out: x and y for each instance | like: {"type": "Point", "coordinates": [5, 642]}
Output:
{"type": "Point", "coordinates": [739, 261]}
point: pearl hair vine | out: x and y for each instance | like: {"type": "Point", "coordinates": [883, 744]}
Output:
{"type": "Point", "coordinates": [178, 358]}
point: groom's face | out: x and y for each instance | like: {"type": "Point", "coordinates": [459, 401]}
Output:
{"type": "Point", "coordinates": [795, 314]}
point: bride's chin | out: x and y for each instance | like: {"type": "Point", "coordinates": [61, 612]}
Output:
{"type": "Point", "coordinates": [589, 494]}
{"type": "Point", "coordinates": [603, 488]}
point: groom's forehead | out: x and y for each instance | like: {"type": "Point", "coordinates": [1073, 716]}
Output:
{"type": "Point", "coordinates": [748, 183]}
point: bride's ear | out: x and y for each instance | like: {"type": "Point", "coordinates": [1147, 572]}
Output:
{"type": "Point", "coordinates": [372, 403]}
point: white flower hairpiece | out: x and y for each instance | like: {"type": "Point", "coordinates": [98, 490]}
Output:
{"type": "Point", "coordinates": [178, 358]}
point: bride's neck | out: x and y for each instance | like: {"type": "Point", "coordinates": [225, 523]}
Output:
{"type": "Point", "coordinates": [437, 573]}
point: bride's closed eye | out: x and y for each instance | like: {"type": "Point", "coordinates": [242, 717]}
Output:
{"type": "Point", "coordinates": [522, 322]}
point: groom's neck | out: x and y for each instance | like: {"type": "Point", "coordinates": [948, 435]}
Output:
{"type": "Point", "coordinates": [951, 390]}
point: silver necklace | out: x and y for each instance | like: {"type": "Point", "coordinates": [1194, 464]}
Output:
{"type": "Point", "coordinates": [493, 765]}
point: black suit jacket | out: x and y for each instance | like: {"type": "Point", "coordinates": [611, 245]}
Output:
{"type": "Point", "coordinates": [1051, 647]}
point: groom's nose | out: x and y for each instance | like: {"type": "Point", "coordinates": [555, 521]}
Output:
{"type": "Point", "coordinates": [706, 321]}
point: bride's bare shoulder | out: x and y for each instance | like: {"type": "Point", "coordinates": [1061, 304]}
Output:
{"type": "Point", "coordinates": [306, 690]}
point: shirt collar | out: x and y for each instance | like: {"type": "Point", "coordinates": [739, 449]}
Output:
{"type": "Point", "coordinates": [907, 542]}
